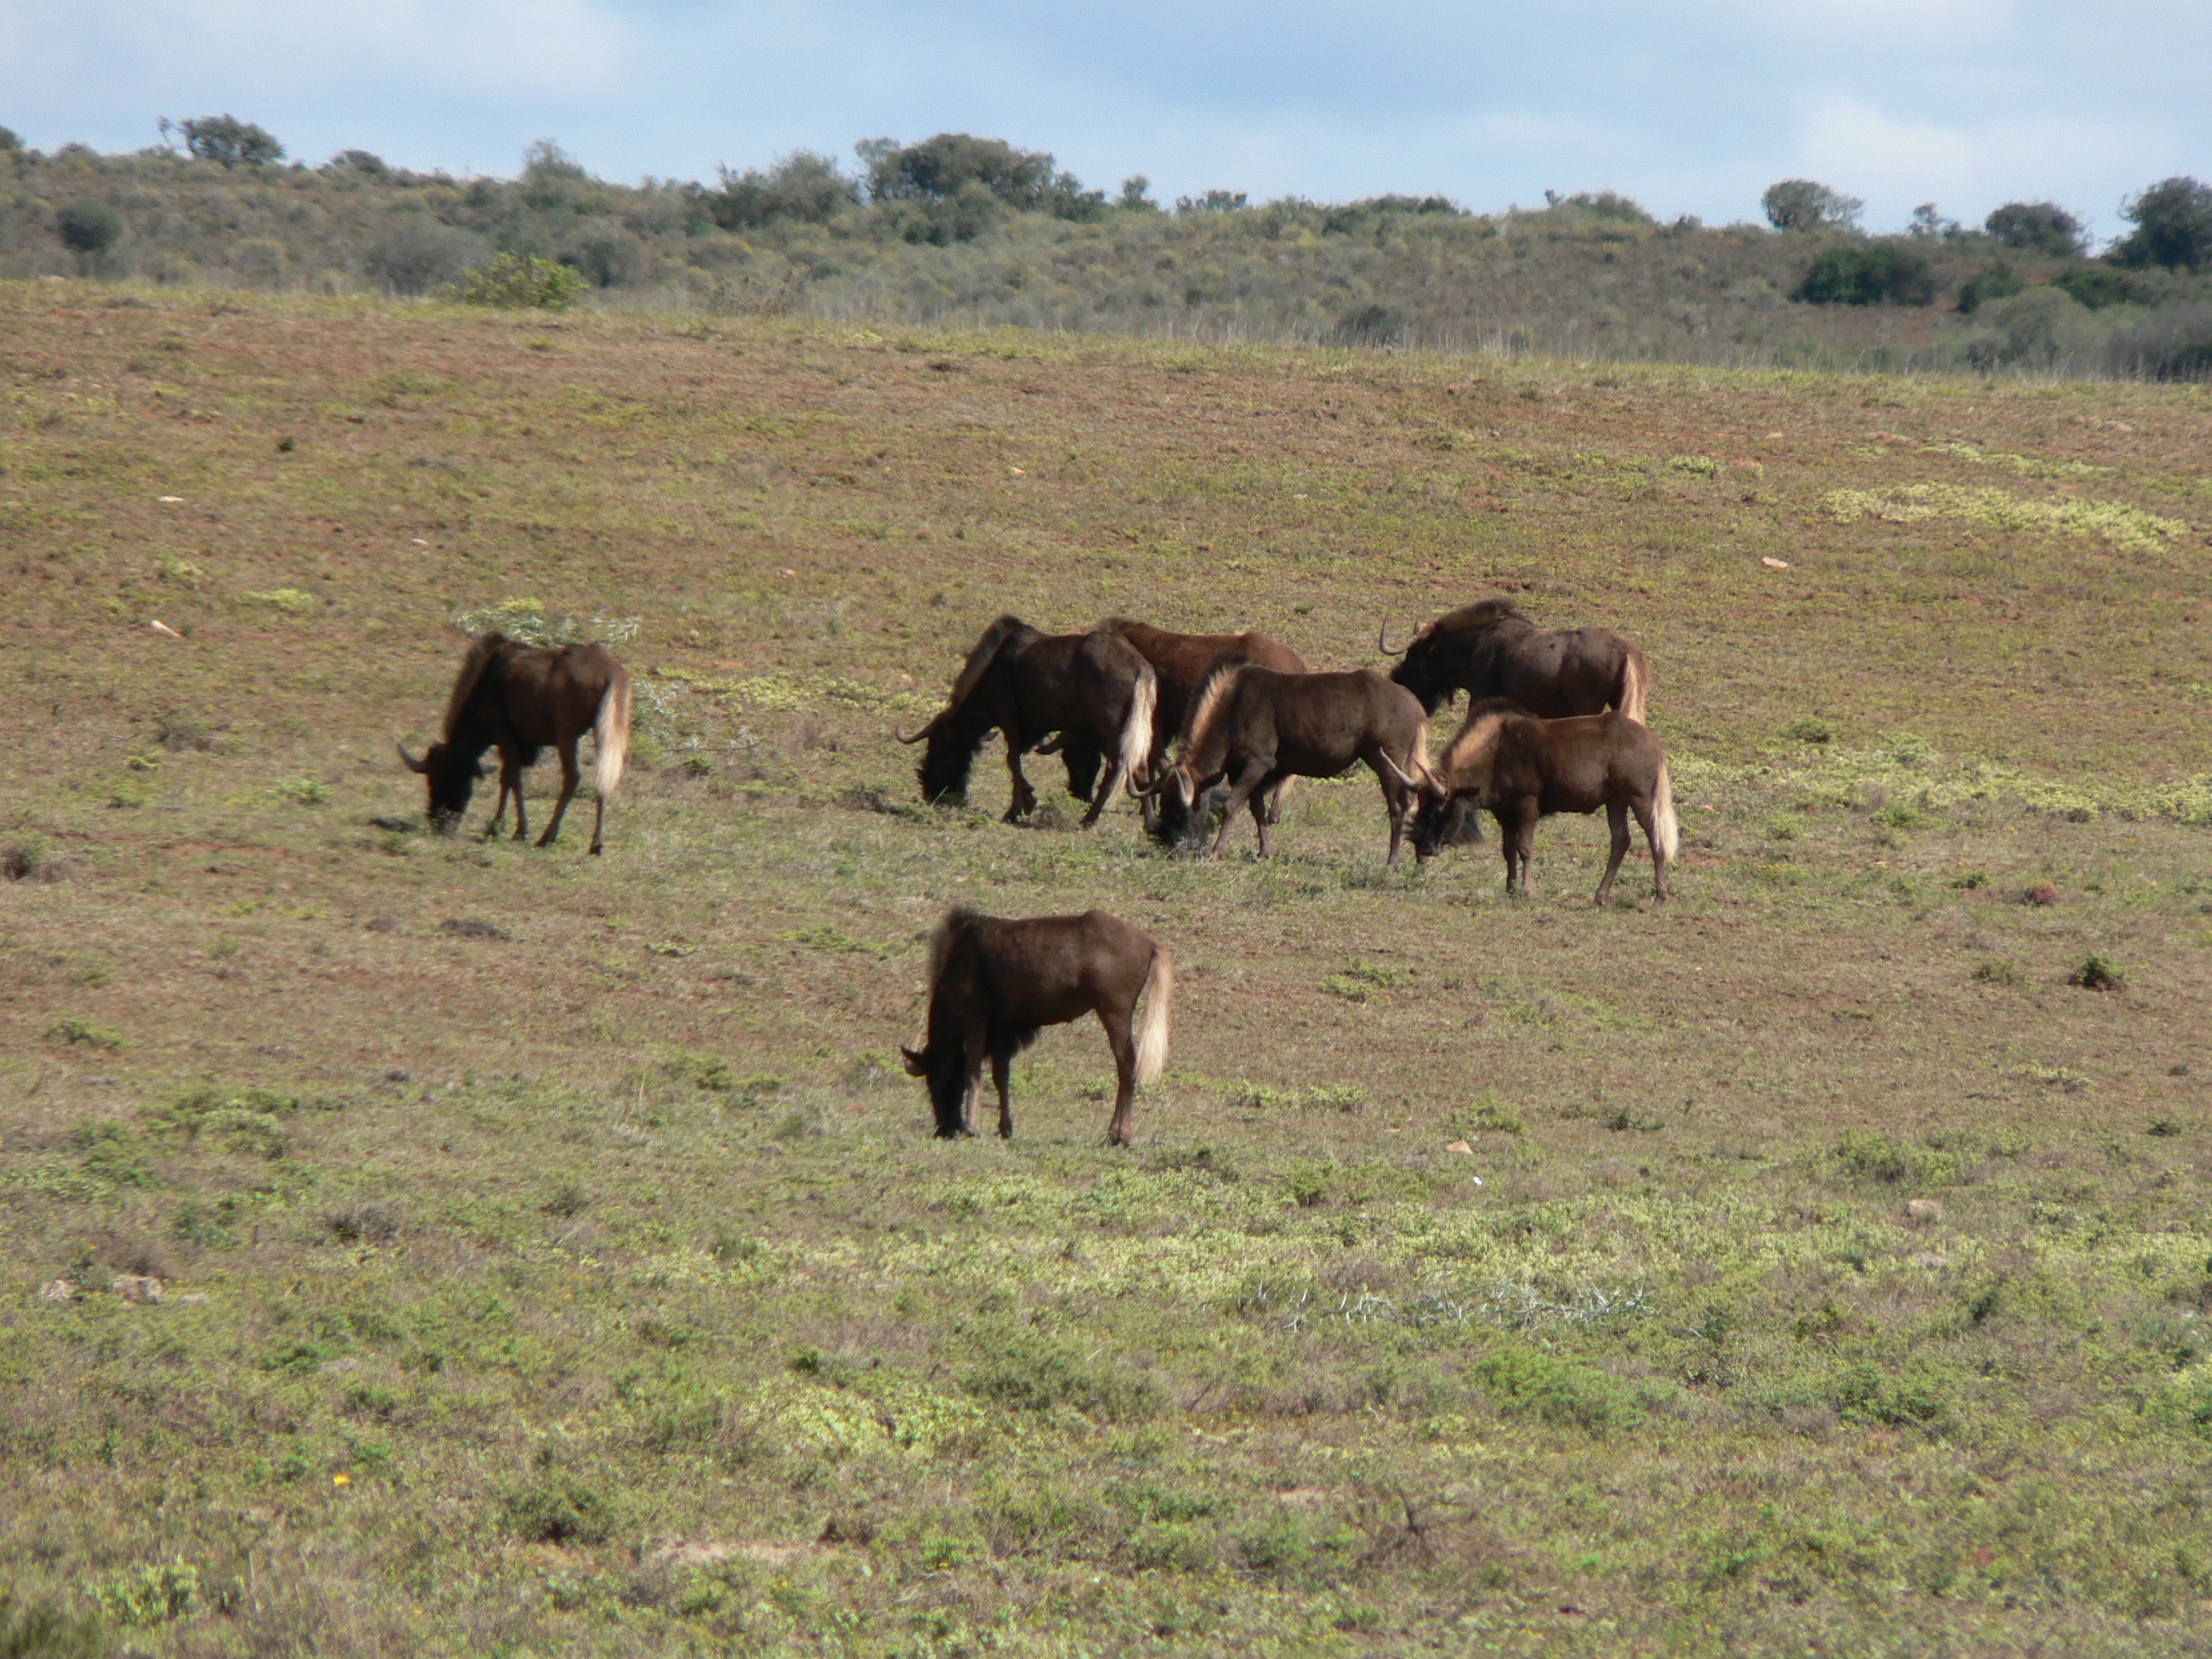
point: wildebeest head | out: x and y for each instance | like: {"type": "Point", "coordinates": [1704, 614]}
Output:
{"type": "Point", "coordinates": [452, 779]}
{"type": "Point", "coordinates": [944, 1068]}
{"type": "Point", "coordinates": [1444, 821]}
{"type": "Point", "coordinates": [967, 718]}
{"type": "Point", "coordinates": [1431, 668]}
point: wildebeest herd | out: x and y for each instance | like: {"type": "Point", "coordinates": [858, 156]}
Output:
{"type": "Point", "coordinates": [1555, 723]}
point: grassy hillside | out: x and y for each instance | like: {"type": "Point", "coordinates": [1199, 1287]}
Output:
{"type": "Point", "coordinates": [554, 1260]}
{"type": "Point", "coordinates": [1588, 278]}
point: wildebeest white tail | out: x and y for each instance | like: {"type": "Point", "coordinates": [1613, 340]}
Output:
{"type": "Point", "coordinates": [1636, 682]}
{"type": "Point", "coordinates": [1136, 731]}
{"type": "Point", "coordinates": [1152, 1023]}
{"type": "Point", "coordinates": [610, 734]}
{"type": "Point", "coordinates": [1669, 827]}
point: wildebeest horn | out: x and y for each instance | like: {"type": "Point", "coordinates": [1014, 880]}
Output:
{"type": "Point", "coordinates": [1053, 744]}
{"type": "Point", "coordinates": [916, 1064]}
{"type": "Point", "coordinates": [413, 764]}
{"type": "Point", "coordinates": [1425, 787]}
{"type": "Point", "coordinates": [1382, 641]}
{"type": "Point", "coordinates": [1152, 788]}
{"type": "Point", "coordinates": [900, 731]}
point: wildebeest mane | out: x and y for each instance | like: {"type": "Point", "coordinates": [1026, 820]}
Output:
{"type": "Point", "coordinates": [980, 659]}
{"type": "Point", "coordinates": [480, 653]}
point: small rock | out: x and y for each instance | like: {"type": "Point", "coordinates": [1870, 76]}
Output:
{"type": "Point", "coordinates": [136, 1286]}
{"type": "Point", "coordinates": [1772, 563]}
{"type": "Point", "coordinates": [57, 1290]}
{"type": "Point", "coordinates": [1923, 1210]}
{"type": "Point", "coordinates": [1458, 1146]}
{"type": "Point", "coordinates": [1929, 1260]}
{"type": "Point", "coordinates": [396, 1076]}
{"type": "Point", "coordinates": [385, 923]}
{"type": "Point", "coordinates": [198, 1299]}
{"type": "Point", "coordinates": [1477, 1180]}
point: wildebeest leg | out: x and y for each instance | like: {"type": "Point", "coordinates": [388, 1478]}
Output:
{"type": "Point", "coordinates": [1525, 835]}
{"type": "Point", "coordinates": [974, 1056]}
{"type": "Point", "coordinates": [1258, 804]}
{"type": "Point", "coordinates": [1397, 798]}
{"type": "Point", "coordinates": [1002, 1065]}
{"type": "Point", "coordinates": [1240, 792]}
{"type": "Point", "coordinates": [1116, 1022]}
{"type": "Point", "coordinates": [1025, 798]}
{"type": "Point", "coordinates": [1112, 782]}
{"type": "Point", "coordinates": [511, 777]}
{"type": "Point", "coordinates": [1508, 843]}
{"type": "Point", "coordinates": [1616, 815]}
{"type": "Point", "coordinates": [1646, 820]}
{"type": "Point", "coordinates": [568, 776]}
{"type": "Point", "coordinates": [492, 830]}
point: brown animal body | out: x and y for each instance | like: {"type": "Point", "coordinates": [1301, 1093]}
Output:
{"type": "Point", "coordinates": [1184, 663]}
{"type": "Point", "coordinates": [1488, 649]}
{"type": "Point", "coordinates": [1030, 686]}
{"type": "Point", "coordinates": [1520, 769]}
{"type": "Point", "coordinates": [520, 700]}
{"type": "Point", "coordinates": [1256, 727]}
{"type": "Point", "coordinates": [995, 984]}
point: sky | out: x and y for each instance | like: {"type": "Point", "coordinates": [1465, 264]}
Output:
{"type": "Point", "coordinates": [1691, 106]}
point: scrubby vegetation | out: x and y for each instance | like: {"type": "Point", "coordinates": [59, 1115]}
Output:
{"type": "Point", "coordinates": [976, 231]}
{"type": "Point", "coordinates": [425, 1246]}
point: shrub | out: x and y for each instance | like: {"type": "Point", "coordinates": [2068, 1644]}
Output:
{"type": "Point", "coordinates": [2173, 226]}
{"type": "Point", "coordinates": [1811, 729]}
{"type": "Point", "coordinates": [560, 1510]}
{"type": "Point", "coordinates": [604, 254]}
{"type": "Point", "coordinates": [11, 143]}
{"type": "Point", "coordinates": [2174, 345]}
{"type": "Point", "coordinates": [1562, 1391]}
{"type": "Point", "coordinates": [40, 1630]}
{"type": "Point", "coordinates": [1997, 282]}
{"type": "Point", "coordinates": [152, 1595]}
{"type": "Point", "coordinates": [225, 139]}
{"type": "Point", "coordinates": [2097, 973]}
{"type": "Point", "coordinates": [2038, 329]}
{"type": "Point", "coordinates": [1132, 198]}
{"type": "Point", "coordinates": [517, 282]}
{"type": "Point", "coordinates": [937, 169]}
{"type": "Point", "coordinates": [1029, 1375]}
{"type": "Point", "coordinates": [2036, 227]}
{"type": "Point", "coordinates": [1809, 205]}
{"type": "Point", "coordinates": [422, 253]}
{"type": "Point", "coordinates": [87, 226]}
{"type": "Point", "coordinates": [1371, 325]}
{"type": "Point", "coordinates": [363, 162]}
{"type": "Point", "coordinates": [1214, 201]}
{"type": "Point", "coordinates": [1867, 273]}
{"type": "Point", "coordinates": [801, 186]}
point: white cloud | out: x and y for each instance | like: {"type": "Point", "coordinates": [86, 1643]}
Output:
{"type": "Point", "coordinates": [1898, 161]}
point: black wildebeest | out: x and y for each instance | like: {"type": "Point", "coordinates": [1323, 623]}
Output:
{"type": "Point", "coordinates": [1519, 769]}
{"type": "Point", "coordinates": [1029, 686]}
{"type": "Point", "coordinates": [518, 699]}
{"type": "Point", "coordinates": [995, 984]}
{"type": "Point", "coordinates": [1488, 649]}
{"type": "Point", "coordinates": [1184, 663]}
{"type": "Point", "coordinates": [1256, 727]}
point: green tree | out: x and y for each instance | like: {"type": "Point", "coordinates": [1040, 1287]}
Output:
{"type": "Point", "coordinates": [232, 143]}
{"type": "Point", "coordinates": [87, 226]}
{"type": "Point", "coordinates": [2036, 227]}
{"type": "Point", "coordinates": [2173, 226]}
{"type": "Point", "coordinates": [10, 140]}
{"type": "Point", "coordinates": [802, 187]}
{"type": "Point", "coordinates": [1134, 198]}
{"type": "Point", "coordinates": [1809, 205]}
{"type": "Point", "coordinates": [938, 169]}
{"type": "Point", "coordinates": [1869, 273]}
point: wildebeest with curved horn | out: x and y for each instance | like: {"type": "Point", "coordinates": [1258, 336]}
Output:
{"type": "Point", "coordinates": [1488, 649]}
{"type": "Point", "coordinates": [1519, 769]}
{"type": "Point", "coordinates": [1029, 686]}
{"type": "Point", "coordinates": [519, 699]}
{"type": "Point", "coordinates": [1256, 726]}
{"type": "Point", "coordinates": [1184, 663]}
{"type": "Point", "coordinates": [995, 984]}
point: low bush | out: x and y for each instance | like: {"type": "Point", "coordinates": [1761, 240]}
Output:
{"type": "Point", "coordinates": [1558, 1391]}
{"type": "Point", "coordinates": [1867, 273]}
{"type": "Point", "coordinates": [420, 253]}
{"type": "Point", "coordinates": [517, 281]}
{"type": "Point", "coordinates": [560, 1510]}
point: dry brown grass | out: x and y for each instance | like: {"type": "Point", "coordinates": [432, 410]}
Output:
{"type": "Point", "coordinates": [608, 1261]}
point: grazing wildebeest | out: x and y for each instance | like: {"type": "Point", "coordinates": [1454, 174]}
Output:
{"type": "Point", "coordinates": [518, 699]}
{"type": "Point", "coordinates": [1519, 769]}
{"type": "Point", "coordinates": [1030, 685]}
{"type": "Point", "coordinates": [1256, 726]}
{"type": "Point", "coordinates": [1184, 663]}
{"type": "Point", "coordinates": [1489, 650]}
{"type": "Point", "coordinates": [995, 984]}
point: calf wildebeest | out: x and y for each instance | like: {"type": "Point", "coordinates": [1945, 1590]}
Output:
{"type": "Point", "coordinates": [1519, 769]}
{"type": "Point", "coordinates": [994, 985]}
{"type": "Point", "coordinates": [1256, 726]}
{"type": "Point", "coordinates": [518, 699]}
{"type": "Point", "coordinates": [1029, 686]}
{"type": "Point", "coordinates": [1488, 649]}
{"type": "Point", "coordinates": [1184, 663]}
